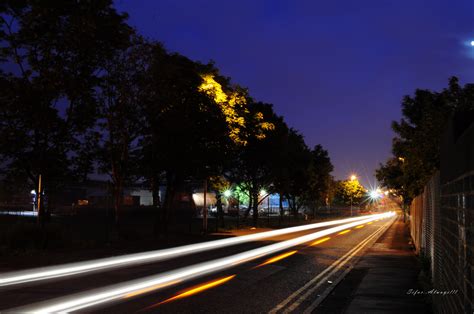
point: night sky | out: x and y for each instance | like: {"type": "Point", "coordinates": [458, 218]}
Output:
{"type": "Point", "coordinates": [336, 70]}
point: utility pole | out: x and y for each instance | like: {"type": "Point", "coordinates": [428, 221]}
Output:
{"type": "Point", "coordinates": [351, 205]}
{"type": "Point", "coordinates": [204, 210]}
{"type": "Point", "coordinates": [268, 209]}
{"type": "Point", "coordinates": [38, 201]}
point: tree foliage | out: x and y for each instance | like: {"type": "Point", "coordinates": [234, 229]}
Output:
{"type": "Point", "coordinates": [350, 192]}
{"type": "Point", "coordinates": [84, 94]}
{"type": "Point", "coordinates": [416, 147]}
{"type": "Point", "coordinates": [51, 54]}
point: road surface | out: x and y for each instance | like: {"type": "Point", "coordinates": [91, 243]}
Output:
{"type": "Point", "coordinates": [293, 279]}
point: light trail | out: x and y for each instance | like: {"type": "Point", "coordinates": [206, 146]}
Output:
{"type": "Point", "coordinates": [344, 232]}
{"type": "Point", "coordinates": [198, 289]}
{"type": "Point", "coordinates": [358, 227]}
{"type": "Point", "coordinates": [123, 290]}
{"type": "Point", "coordinates": [57, 271]}
{"type": "Point", "coordinates": [277, 258]}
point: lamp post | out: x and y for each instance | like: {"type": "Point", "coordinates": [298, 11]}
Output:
{"type": "Point", "coordinates": [204, 209]}
{"type": "Point", "coordinates": [352, 178]}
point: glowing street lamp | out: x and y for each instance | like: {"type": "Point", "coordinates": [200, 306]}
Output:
{"type": "Point", "coordinates": [227, 193]}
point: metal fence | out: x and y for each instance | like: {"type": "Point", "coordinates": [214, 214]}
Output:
{"type": "Point", "coordinates": [442, 228]}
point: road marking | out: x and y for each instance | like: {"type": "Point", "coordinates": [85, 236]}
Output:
{"type": "Point", "coordinates": [361, 226]}
{"type": "Point", "coordinates": [354, 259]}
{"type": "Point", "coordinates": [320, 241]}
{"type": "Point", "coordinates": [344, 232]}
{"type": "Point", "coordinates": [277, 258]}
{"type": "Point", "coordinates": [342, 260]}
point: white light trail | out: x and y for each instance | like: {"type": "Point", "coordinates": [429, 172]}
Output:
{"type": "Point", "coordinates": [124, 290]}
{"type": "Point", "coordinates": [36, 274]}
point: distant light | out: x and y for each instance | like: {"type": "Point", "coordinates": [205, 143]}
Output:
{"type": "Point", "coordinates": [227, 193]}
{"type": "Point", "coordinates": [472, 43]}
{"type": "Point", "coordinates": [263, 192]}
{"type": "Point", "coordinates": [353, 177]}
{"type": "Point", "coordinates": [374, 194]}
{"type": "Point", "coordinates": [33, 192]}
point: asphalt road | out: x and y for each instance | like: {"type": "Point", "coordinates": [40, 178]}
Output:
{"type": "Point", "coordinates": [295, 283]}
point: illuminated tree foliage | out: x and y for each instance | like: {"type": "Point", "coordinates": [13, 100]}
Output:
{"type": "Point", "coordinates": [233, 104]}
{"type": "Point", "coordinates": [350, 192]}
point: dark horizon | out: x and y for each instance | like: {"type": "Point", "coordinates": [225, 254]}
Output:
{"type": "Point", "coordinates": [337, 72]}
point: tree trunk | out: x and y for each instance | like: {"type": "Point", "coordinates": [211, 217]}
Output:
{"type": "Point", "coordinates": [168, 203]}
{"type": "Point", "coordinates": [155, 187]}
{"type": "Point", "coordinates": [255, 208]}
{"type": "Point", "coordinates": [117, 202]}
{"type": "Point", "coordinates": [220, 211]}
{"type": "Point", "coordinates": [246, 215]}
{"type": "Point", "coordinates": [280, 204]}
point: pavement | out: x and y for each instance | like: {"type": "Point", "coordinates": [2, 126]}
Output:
{"type": "Point", "coordinates": [382, 279]}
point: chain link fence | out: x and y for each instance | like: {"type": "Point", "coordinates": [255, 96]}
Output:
{"type": "Point", "coordinates": [442, 225]}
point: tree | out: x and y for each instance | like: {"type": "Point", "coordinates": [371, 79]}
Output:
{"type": "Point", "coordinates": [319, 181]}
{"type": "Point", "coordinates": [121, 94]}
{"type": "Point", "coordinates": [350, 192]}
{"type": "Point", "coordinates": [416, 147]}
{"type": "Point", "coordinates": [57, 49]}
{"type": "Point", "coordinates": [219, 184]}
{"type": "Point", "coordinates": [290, 168]}
{"type": "Point", "coordinates": [186, 133]}
{"type": "Point", "coordinates": [265, 133]}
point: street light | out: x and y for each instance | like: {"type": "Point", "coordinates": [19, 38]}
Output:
{"type": "Point", "coordinates": [227, 193]}
{"type": "Point", "coordinates": [353, 178]}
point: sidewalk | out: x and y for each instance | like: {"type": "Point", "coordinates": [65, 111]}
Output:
{"type": "Point", "coordinates": [381, 280]}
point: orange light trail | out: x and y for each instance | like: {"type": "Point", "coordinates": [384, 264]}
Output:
{"type": "Point", "coordinates": [145, 290]}
{"type": "Point", "coordinates": [361, 226]}
{"type": "Point", "coordinates": [196, 290]}
{"type": "Point", "coordinates": [277, 258]}
{"type": "Point", "coordinates": [344, 232]}
{"type": "Point", "coordinates": [320, 241]}
{"type": "Point", "coordinates": [369, 223]}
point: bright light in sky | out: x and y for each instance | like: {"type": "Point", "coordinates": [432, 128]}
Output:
{"type": "Point", "coordinates": [472, 43]}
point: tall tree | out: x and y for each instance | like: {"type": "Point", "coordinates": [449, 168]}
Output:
{"type": "Point", "coordinates": [121, 95]}
{"type": "Point", "coordinates": [186, 131]}
{"type": "Point", "coordinates": [416, 147]}
{"type": "Point", "coordinates": [265, 134]}
{"type": "Point", "coordinates": [290, 169]}
{"type": "Point", "coordinates": [52, 54]}
{"type": "Point", "coordinates": [319, 173]}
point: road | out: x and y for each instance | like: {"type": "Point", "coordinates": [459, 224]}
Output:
{"type": "Point", "coordinates": [293, 278]}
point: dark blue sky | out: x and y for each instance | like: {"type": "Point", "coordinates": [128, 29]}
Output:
{"type": "Point", "coordinates": [336, 70]}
